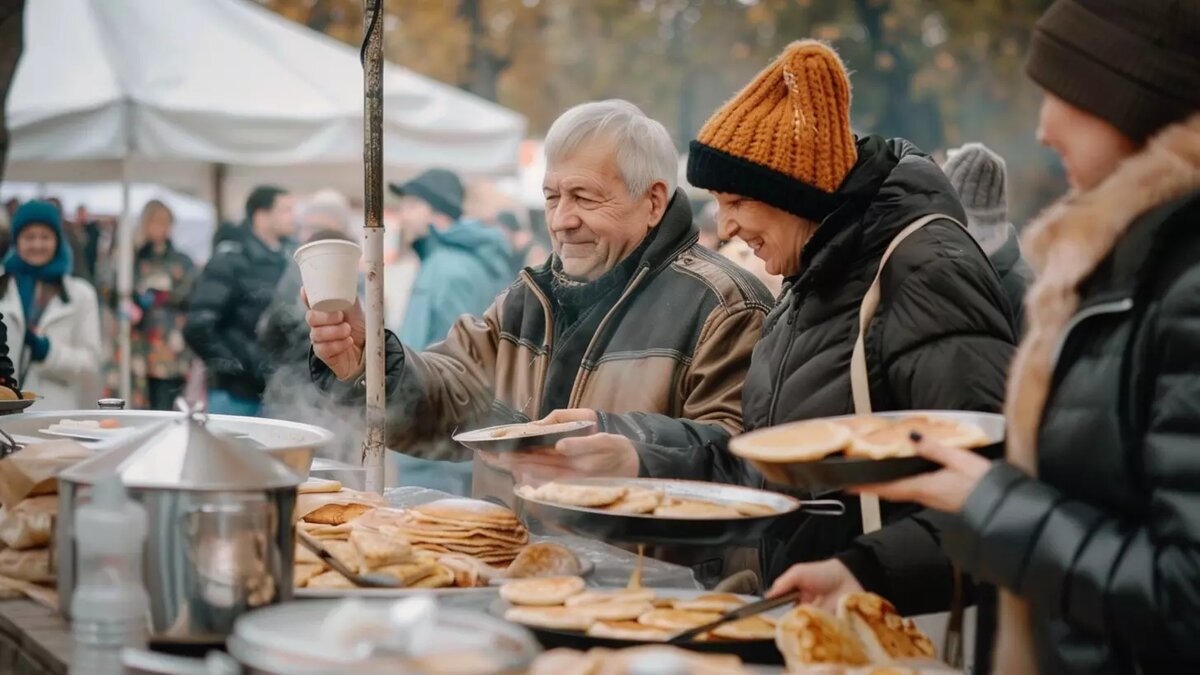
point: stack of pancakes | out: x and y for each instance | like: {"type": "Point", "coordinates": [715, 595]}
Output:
{"type": "Point", "coordinates": [484, 531]}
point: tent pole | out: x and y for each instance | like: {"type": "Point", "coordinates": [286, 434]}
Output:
{"type": "Point", "coordinates": [373, 443]}
{"type": "Point", "coordinates": [125, 286]}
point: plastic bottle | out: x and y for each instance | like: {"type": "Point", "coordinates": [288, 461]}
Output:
{"type": "Point", "coordinates": [109, 608]}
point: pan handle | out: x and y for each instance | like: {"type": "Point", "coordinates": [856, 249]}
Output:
{"type": "Point", "coordinates": [823, 507]}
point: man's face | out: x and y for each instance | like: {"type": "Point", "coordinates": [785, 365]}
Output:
{"type": "Point", "coordinates": [593, 220]}
{"type": "Point", "coordinates": [415, 216]}
{"type": "Point", "coordinates": [282, 216]}
{"type": "Point", "coordinates": [1090, 147]}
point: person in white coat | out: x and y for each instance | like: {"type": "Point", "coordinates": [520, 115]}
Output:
{"type": "Point", "coordinates": [52, 318]}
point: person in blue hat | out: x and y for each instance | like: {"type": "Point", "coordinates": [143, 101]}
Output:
{"type": "Point", "coordinates": [54, 315]}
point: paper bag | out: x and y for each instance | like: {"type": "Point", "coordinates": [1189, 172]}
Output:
{"type": "Point", "coordinates": [30, 523]}
{"type": "Point", "coordinates": [30, 472]}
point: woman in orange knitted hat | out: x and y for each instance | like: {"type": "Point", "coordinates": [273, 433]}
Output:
{"type": "Point", "coordinates": [821, 208]}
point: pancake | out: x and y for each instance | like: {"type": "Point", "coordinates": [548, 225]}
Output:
{"type": "Point", "coordinates": [588, 496]}
{"type": "Point", "coordinates": [466, 511]}
{"type": "Point", "coordinates": [409, 573]}
{"type": "Point", "coordinates": [637, 501]}
{"type": "Point", "coordinates": [676, 620]}
{"type": "Point", "coordinates": [628, 630]}
{"type": "Point", "coordinates": [302, 572]}
{"type": "Point", "coordinates": [558, 618]}
{"type": "Point", "coordinates": [343, 551]}
{"type": "Point", "coordinates": [319, 486]}
{"type": "Point", "coordinates": [695, 510]}
{"type": "Point", "coordinates": [337, 514]}
{"type": "Point", "coordinates": [753, 510]}
{"type": "Point", "coordinates": [895, 440]}
{"type": "Point", "coordinates": [544, 559]}
{"type": "Point", "coordinates": [306, 557]}
{"type": "Point", "coordinates": [886, 635]}
{"type": "Point", "coordinates": [318, 531]}
{"type": "Point", "coordinates": [377, 550]}
{"type": "Point", "coordinates": [329, 580]}
{"type": "Point", "coordinates": [616, 611]}
{"type": "Point", "coordinates": [711, 602]}
{"type": "Point", "coordinates": [861, 425]}
{"type": "Point", "coordinates": [442, 577]}
{"type": "Point", "coordinates": [623, 595]}
{"type": "Point", "coordinates": [810, 635]}
{"type": "Point", "coordinates": [796, 442]}
{"type": "Point", "coordinates": [749, 628]}
{"type": "Point", "coordinates": [541, 591]}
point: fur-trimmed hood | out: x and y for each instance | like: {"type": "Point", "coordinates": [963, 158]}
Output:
{"type": "Point", "coordinates": [1065, 244]}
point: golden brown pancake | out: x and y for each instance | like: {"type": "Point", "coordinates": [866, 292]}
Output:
{"type": "Point", "coordinates": [337, 514]}
{"type": "Point", "coordinates": [302, 572]}
{"type": "Point", "coordinates": [749, 628]}
{"type": "Point", "coordinates": [806, 441]}
{"type": "Point", "coordinates": [542, 590]}
{"type": "Point", "coordinates": [377, 550]}
{"type": "Point", "coordinates": [637, 501]}
{"type": "Point", "coordinates": [676, 619]}
{"type": "Point", "coordinates": [696, 510]}
{"type": "Point", "coordinates": [623, 595]}
{"type": "Point", "coordinates": [544, 559]}
{"type": "Point", "coordinates": [628, 630]}
{"type": "Point", "coordinates": [886, 635]}
{"type": "Point", "coordinates": [616, 611]}
{"type": "Point", "coordinates": [711, 602]}
{"type": "Point", "coordinates": [329, 580]}
{"type": "Point", "coordinates": [559, 618]}
{"type": "Point", "coordinates": [588, 496]}
{"type": "Point", "coordinates": [810, 635]}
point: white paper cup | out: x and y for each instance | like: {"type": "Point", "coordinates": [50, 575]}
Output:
{"type": "Point", "coordinates": [329, 271]}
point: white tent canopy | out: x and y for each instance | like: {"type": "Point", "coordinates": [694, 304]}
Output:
{"type": "Point", "coordinates": [168, 90]}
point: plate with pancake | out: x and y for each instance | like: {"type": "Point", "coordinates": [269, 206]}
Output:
{"type": "Point", "coordinates": [835, 452]}
{"type": "Point", "coordinates": [524, 436]}
{"type": "Point", "coordinates": [562, 612]}
{"type": "Point", "coordinates": [656, 511]}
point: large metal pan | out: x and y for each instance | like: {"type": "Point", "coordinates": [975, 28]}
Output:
{"type": "Point", "coordinates": [648, 529]}
{"type": "Point", "coordinates": [833, 473]}
{"type": "Point", "coordinates": [750, 651]}
{"type": "Point", "coordinates": [292, 442]}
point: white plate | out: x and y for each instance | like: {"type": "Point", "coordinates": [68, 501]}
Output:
{"type": "Point", "coordinates": [81, 434]}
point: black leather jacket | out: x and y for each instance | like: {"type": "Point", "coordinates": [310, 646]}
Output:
{"type": "Point", "coordinates": [1105, 543]}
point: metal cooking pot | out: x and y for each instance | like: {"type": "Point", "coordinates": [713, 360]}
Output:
{"type": "Point", "coordinates": [293, 639]}
{"type": "Point", "coordinates": [220, 537]}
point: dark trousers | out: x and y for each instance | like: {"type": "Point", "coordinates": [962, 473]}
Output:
{"type": "Point", "coordinates": [162, 393]}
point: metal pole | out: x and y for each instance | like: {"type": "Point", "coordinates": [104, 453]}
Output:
{"type": "Point", "coordinates": [125, 286]}
{"type": "Point", "coordinates": [373, 444]}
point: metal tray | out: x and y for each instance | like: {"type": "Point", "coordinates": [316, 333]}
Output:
{"type": "Point", "coordinates": [647, 529]}
{"type": "Point", "coordinates": [833, 473]}
{"type": "Point", "coordinates": [11, 407]}
{"type": "Point", "coordinates": [750, 651]}
{"type": "Point", "coordinates": [292, 442]}
{"type": "Point", "coordinates": [486, 439]}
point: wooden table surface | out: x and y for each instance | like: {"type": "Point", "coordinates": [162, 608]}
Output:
{"type": "Point", "coordinates": [34, 640]}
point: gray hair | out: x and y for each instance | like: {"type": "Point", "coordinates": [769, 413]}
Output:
{"type": "Point", "coordinates": [645, 153]}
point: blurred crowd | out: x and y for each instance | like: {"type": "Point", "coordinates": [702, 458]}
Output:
{"type": "Point", "coordinates": [218, 332]}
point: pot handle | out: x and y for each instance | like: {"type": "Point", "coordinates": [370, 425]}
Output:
{"type": "Point", "coordinates": [146, 661]}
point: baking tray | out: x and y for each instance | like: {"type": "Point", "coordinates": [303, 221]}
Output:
{"type": "Point", "coordinates": [647, 529]}
{"type": "Point", "coordinates": [490, 439]}
{"type": "Point", "coordinates": [833, 473]}
{"type": "Point", "coordinates": [750, 651]}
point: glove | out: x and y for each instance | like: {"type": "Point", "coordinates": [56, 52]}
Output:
{"type": "Point", "coordinates": [39, 345]}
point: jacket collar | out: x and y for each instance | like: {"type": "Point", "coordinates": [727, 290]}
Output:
{"type": "Point", "coordinates": [892, 184]}
{"type": "Point", "coordinates": [673, 234]}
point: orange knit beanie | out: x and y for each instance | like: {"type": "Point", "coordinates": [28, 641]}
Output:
{"type": "Point", "coordinates": [785, 139]}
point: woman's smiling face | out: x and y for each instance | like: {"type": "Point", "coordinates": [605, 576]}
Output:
{"type": "Point", "coordinates": [776, 236]}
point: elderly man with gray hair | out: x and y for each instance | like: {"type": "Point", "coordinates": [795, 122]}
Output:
{"type": "Point", "coordinates": [630, 319]}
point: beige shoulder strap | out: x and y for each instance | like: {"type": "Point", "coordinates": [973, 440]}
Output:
{"type": "Point", "coordinates": [859, 386]}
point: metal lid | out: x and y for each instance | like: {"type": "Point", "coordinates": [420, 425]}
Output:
{"type": "Point", "coordinates": [182, 453]}
{"type": "Point", "coordinates": [293, 638]}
